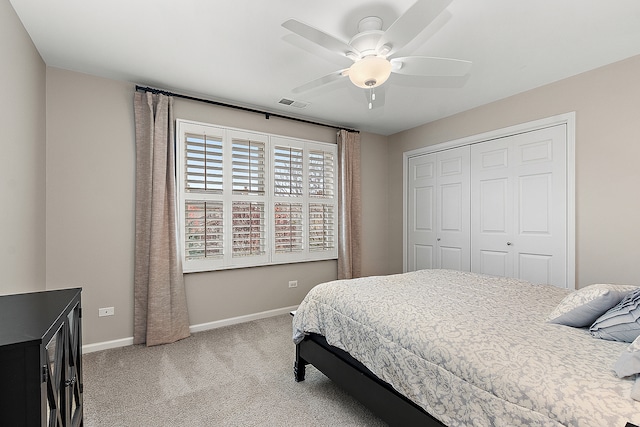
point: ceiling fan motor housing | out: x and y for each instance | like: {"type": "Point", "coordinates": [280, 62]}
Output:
{"type": "Point", "coordinates": [369, 33]}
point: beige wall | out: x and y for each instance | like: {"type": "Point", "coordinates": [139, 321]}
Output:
{"type": "Point", "coordinates": [375, 204]}
{"type": "Point", "coordinates": [22, 162]}
{"type": "Point", "coordinates": [90, 196]}
{"type": "Point", "coordinates": [607, 106]}
{"type": "Point", "coordinates": [90, 208]}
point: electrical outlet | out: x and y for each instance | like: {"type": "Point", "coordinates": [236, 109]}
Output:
{"type": "Point", "coordinates": [106, 311]}
{"type": "Point", "coordinates": [293, 283]}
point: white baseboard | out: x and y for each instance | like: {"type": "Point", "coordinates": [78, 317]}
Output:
{"type": "Point", "coordinates": [240, 319]}
{"type": "Point", "coordinates": [123, 342]}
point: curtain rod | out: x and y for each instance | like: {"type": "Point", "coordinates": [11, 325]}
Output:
{"type": "Point", "coordinates": [266, 114]}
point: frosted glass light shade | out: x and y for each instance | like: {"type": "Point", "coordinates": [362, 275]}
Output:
{"type": "Point", "coordinates": [369, 72]}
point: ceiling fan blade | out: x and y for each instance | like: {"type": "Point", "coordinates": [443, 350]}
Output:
{"type": "Point", "coordinates": [430, 66]}
{"type": "Point", "coordinates": [411, 23]}
{"type": "Point", "coordinates": [319, 37]}
{"type": "Point", "coordinates": [336, 75]}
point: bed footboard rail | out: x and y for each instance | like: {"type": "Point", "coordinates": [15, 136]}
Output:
{"type": "Point", "coordinates": [359, 382]}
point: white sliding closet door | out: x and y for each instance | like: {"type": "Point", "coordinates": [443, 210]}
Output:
{"type": "Point", "coordinates": [519, 206]}
{"type": "Point", "coordinates": [439, 211]}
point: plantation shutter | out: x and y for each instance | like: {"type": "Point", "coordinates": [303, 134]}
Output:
{"type": "Point", "coordinates": [203, 219]}
{"type": "Point", "coordinates": [248, 167]}
{"type": "Point", "coordinates": [203, 163]}
{"type": "Point", "coordinates": [251, 199]}
{"type": "Point", "coordinates": [203, 230]}
{"type": "Point", "coordinates": [322, 216]}
{"type": "Point", "coordinates": [288, 171]}
{"type": "Point", "coordinates": [321, 174]}
{"type": "Point", "coordinates": [248, 229]}
{"type": "Point", "coordinates": [321, 226]}
{"type": "Point", "coordinates": [288, 227]}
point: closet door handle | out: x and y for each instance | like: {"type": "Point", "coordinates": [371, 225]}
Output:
{"type": "Point", "coordinates": [509, 243]}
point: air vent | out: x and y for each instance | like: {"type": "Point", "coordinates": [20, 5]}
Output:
{"type": "Point", "coordinates": [292, 103]}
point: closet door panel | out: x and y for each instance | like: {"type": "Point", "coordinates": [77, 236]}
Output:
{"type": "Point", "coordinates": [539, 174]}
{"type": "Point", "coordinates": [424, 208]}
{"type": "Point", "coordinates": [424, 257]}
{"type": "Point", "coordinates": [493, 263]}
{"type": "Point", "coordinates": [535, 268]}
{"type": "Point", "coordinates": [452, 258]}
{"type": "Point", "coordinates": [534, 204]}
{"type": "Point", "coordinates": [491, 208]}
{"type": "Point", "coordinates": [421, 230]}
{"type": "Point", "coordinates": [454, 211]}
{"type": "Point", "coordinates": [451, 208]}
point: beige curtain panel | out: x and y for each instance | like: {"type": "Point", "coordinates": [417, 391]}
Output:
{"type": "Point", "coordinates": [349, 205]}
{"type": "Point", "coordinates": [160, 305]}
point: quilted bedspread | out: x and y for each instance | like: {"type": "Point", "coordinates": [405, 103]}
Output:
{"type": "Point", "coordinates": [473, 350]}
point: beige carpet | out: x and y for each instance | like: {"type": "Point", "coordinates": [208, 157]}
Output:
{"type": "Point", "coordinates": [240, 375]}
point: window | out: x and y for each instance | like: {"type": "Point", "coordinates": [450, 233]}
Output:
{"type": "Point", "coordinates": [252, 199]}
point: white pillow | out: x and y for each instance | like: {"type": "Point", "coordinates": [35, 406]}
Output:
{"type": "Point", "coordinates": [582, 307]}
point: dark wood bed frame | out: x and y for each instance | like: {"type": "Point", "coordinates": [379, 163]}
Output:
{"type": "Point", "coordinates": [377, 395]}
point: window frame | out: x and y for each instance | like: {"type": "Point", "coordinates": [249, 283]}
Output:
{"type": "Point", "coordinates": [269, 199]}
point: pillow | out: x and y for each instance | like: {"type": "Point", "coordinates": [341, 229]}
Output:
{"type": "Point", "coordinates": [622, 322]}
{"type": "Point", "coordinates": [629, 361]}
{"type": "Point", "coordinates": [582, 307]}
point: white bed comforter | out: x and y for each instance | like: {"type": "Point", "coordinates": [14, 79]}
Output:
{"type": "Point", "coordinates": [473, 350]}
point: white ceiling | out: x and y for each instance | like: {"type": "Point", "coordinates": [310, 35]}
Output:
{"type": "Point", "coordinates": [237, 51]}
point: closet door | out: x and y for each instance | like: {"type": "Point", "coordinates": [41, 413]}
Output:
{"type": "Point", "coordinates": [453, 215]}
{"type": "Point", "coordinates": [519, 207]}
{"type": "Point", "coordinates": [439, 211]}
{"type": "Point", "coordinates": [421, 221]}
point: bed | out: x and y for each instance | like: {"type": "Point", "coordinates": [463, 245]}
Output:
{"type": "Point", "coordinates": [440, 347]}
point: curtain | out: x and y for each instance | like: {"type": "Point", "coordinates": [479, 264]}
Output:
{"type": "Point", "coordinates": [160, 304]}
{"type": "Point", "coordinates": [349, 205]}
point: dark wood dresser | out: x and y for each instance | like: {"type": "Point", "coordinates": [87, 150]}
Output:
{"type": "Point", "coordinates": [41, 359]}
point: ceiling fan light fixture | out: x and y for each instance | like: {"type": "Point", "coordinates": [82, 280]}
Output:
{"type": "Point", "coordinates": [370, 72]}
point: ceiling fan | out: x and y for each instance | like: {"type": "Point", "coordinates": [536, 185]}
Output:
{"type": "Point", "coordinates": [372, 50]}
